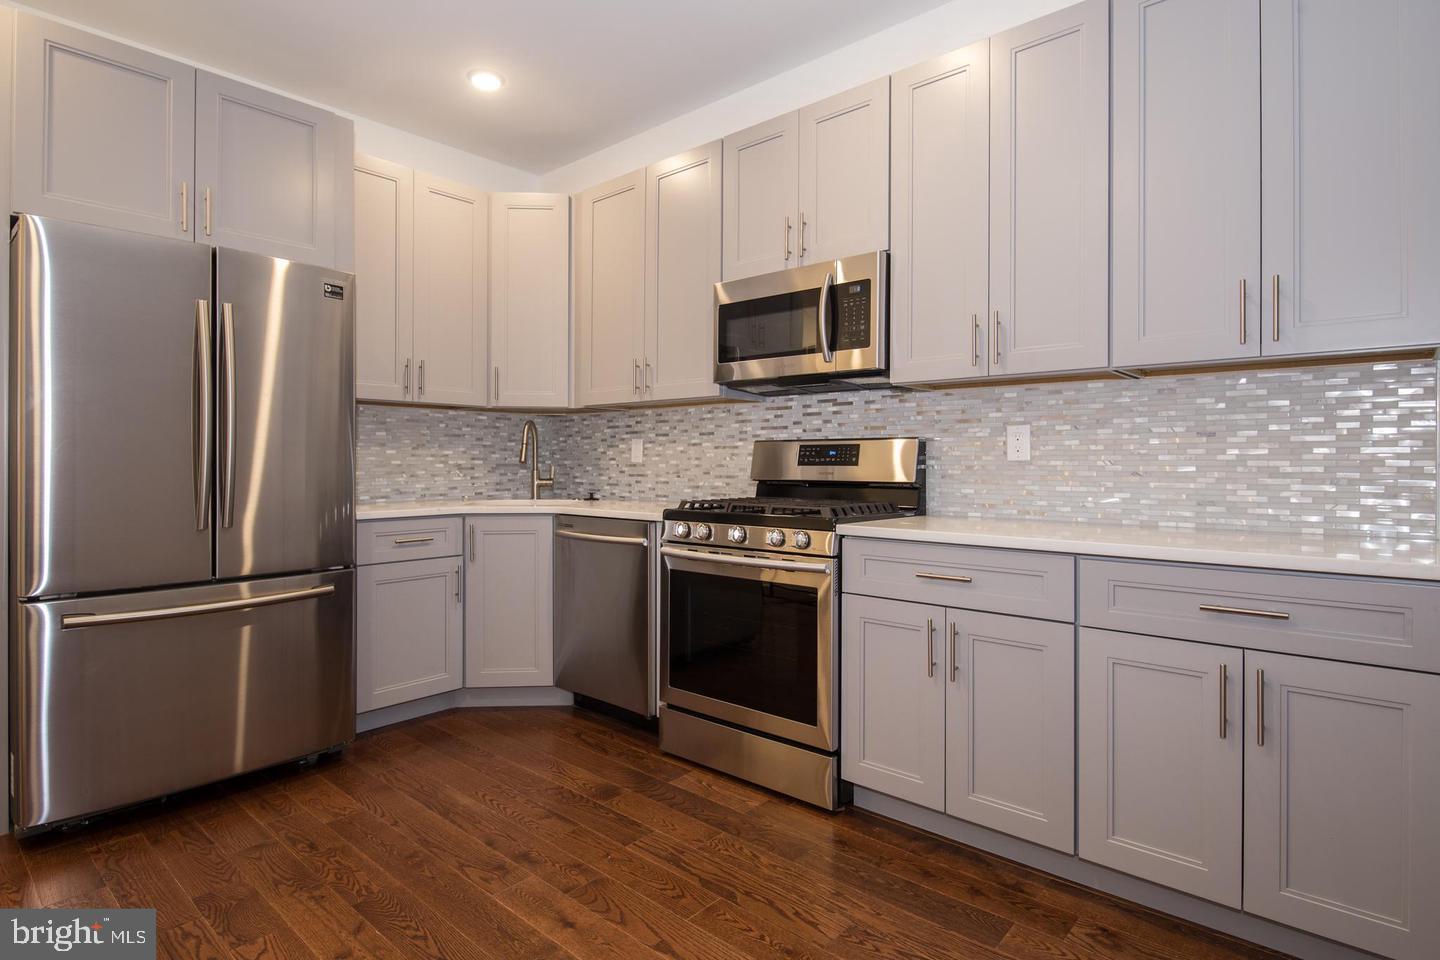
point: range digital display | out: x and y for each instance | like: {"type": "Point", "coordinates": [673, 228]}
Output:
{"type": "Point", "coordinates": [829, 455]}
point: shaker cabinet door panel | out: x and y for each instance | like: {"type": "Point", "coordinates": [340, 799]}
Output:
{"type": "Point", "coordinates": [451, 333]}
{"type": "Point", "coordinates": [1161, 756]}
{"type": "Point", "coordinates": [844, 150]}
{"type": "Point", "coordinates": [384, 279]}
{"type": "Point", "coordinates": [610, 291]}
{"type": "Point", "coordinates": [267, 165]}
{"type": "Point", "coordinates": [530, 299]}
{"type": "Point", "coordinates": [409, 629]}
{"type": "Point", "coordinates": [1351, 199]}
{"type": "Point", "coordinates": [1010, 725]}
{"type": "Point", "coordinates": [940, 218]}
{"type": "Point", "coordinates": [509, 633]}
{"type": "Point", "coordinates": [1186, 181]}
{"type": "Point", "coordinates": [761, 198]}
{"type": "Point", "coordinates": [104, 133]}
{"type": "Point", "coordinates": [892, 699]}
{"type": "Point", "coordinates": [682, 266]}
{"type": "Point", "coordinates": [1342, 785]}
{"type": "Point", "coordinates": [1049, 193]}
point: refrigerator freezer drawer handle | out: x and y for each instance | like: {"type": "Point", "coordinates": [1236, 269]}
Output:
{"type": "Point", "coordinates": [73, 620]}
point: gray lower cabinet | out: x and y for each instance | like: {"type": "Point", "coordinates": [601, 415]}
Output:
{"type": "Point", "coordinates": [1342, 802]}
{"type": "Point", "coordinates": [1160, 743]}
{"type": "Point", "coordinates": [963, 712]}
{"type": "Point", "coordinates": [509, 632]}
{"type": "Point", "coordinates": [409, 624]}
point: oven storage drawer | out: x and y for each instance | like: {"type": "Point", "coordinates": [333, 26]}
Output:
{"type": "Point", "coordinates": [1391, 623]}
{"type": "Point", "coordinates": [1017, 582]}
{"type": "Point", "coordinates": [410, 538]}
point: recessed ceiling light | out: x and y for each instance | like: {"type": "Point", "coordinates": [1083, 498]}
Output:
{"type": "Point", "coordinates": [485, 80]}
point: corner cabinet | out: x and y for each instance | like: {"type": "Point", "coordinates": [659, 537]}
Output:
{"type": "Point", "coordinates": [530, 300]}
{"type": "Point", "coordinates": [451, 347]}
{"type": "Point", "coordinates": [385, 262]}
{"type": "Point", "coordinates": [610, 291]}
{"type": "Point", "coordinates": [509, 610]}
{"type": "Point", "coordinates": [409, 630]}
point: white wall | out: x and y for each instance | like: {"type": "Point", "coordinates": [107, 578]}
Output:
{"type": "Point", "coordinates": [938, 31]}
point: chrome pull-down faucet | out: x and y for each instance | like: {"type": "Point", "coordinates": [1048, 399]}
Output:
{"type": "Point", "coordinates": [530, 440]}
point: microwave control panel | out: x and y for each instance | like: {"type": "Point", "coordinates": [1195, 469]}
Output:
{"type": "Point", "coordinates": [852, 315]}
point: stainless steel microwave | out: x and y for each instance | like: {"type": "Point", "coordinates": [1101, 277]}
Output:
{"type": "Point", "coordinates": [809, 325]}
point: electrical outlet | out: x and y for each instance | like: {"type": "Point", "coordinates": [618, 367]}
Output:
{"type": "Point", "coordinates": [637, 450]}
{"type": "Point", "coordinates": [1017, 442]}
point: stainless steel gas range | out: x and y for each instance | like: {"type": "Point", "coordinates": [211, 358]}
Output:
{"type": "Point", "coordinates": [749, 606]}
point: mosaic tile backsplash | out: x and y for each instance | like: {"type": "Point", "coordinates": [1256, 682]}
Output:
{"type": "Point", "coordinates": [1347, 449]}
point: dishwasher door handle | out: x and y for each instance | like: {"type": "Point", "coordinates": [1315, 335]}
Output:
{"type": "Point", "coordinates": [603, 538]}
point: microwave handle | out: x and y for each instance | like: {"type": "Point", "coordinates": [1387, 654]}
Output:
{"type": "Point", "coordinates": [822, 317]}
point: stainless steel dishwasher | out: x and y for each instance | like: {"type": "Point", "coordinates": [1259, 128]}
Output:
{"type": "Point", "coordinates": [606, 579]}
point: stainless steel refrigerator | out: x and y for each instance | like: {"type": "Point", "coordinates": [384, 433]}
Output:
{"type": "Point", "coordinates": [181, 516]}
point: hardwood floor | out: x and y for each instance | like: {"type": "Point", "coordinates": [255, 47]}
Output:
{"type": "Point", "coordinates": [553, 832]}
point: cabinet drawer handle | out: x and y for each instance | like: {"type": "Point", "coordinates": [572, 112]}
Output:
{"type": "Point", "coordinates": [400, 540]}
{"type": "Point", "coordinates": [1260, 708]}
{"type": "Point", "coordinates": [947, 577]}
{"type": "Point", "coordinates": [1245, 612]}
{"type": "Point", "coordinates": [1224, 695]}
{"type": "Point", "coordinates": [930, 646]}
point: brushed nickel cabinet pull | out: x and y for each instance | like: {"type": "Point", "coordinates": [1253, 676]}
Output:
{"type": "Point", "coordinates": [420, 377]}
{"type": "Point", "coordinates": [471, 532]}
{"type": "Point", "coordinates": [1244, 332]}
{"type": "Point", "coordinates": [929, 646]}
{"type": "Point", "coordinates": [948, 577]}
{"type": "Point", "coordinates": [207, 211]}
{"type": "Point", "coordinates": [457, 584]}
{"type": "Point", "coordinates": [997, 336]}
{"type": "Point", "coordinates": [402, 540]}
{"type": "Point", "coordinates": [495, 383]}
{"type": "Point", "coordinates": [1245, 612]}
{"type": "Point", "coordinates": [649, 387]}
{"type": "Point", "coordinates": [974, 339]}
{"type": "Point", "coordinates": [1260, 708]}
{"type": "Point", "coordinates": [1275, 308]}
{"type": "Point", "coordinates": [1224, 694]}
{"type": "Point", "coordinates": [184, 206]}
{"type": "Point", "coordinates": [787, 238]}
{"type": "Point", "coordinates": [802, 234]}
{"type": "Point", "coordinates": [405, 382]}
{"type": "Point", "coordinates": [954, 651]}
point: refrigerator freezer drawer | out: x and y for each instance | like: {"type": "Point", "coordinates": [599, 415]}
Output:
{"type": "Point", "coordinates": [120, 699]}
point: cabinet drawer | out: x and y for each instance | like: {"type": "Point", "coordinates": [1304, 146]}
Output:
{"type": "Point", "coordinates": [1040, 585]}
{"type": "Point", "coordinates": [413, 538]}
{"type": "Point", "coordinates": [1386, 622]}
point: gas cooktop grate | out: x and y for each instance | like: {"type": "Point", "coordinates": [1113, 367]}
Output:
{"type": "Point", "coordinates": [792, 507]}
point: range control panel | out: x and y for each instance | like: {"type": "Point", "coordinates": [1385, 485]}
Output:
{"type": "Point", "coordinates": [829, 455]}
{"type": "Point", "coordinates": [852, 315]}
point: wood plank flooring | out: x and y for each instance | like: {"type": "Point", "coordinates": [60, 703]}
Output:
{"type": "Point", "coordinates": [551, 833]}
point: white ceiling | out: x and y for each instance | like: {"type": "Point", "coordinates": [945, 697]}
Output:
{"type": "Point", "coordinates": [581, 74]}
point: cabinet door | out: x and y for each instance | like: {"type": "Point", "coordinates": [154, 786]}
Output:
{"type": "Point", "coordinates": [409, 630]}
{"type": "Point", "coordinates": [610, 291]}
{"type": "Point", "coordinates": [1342, 789]}
{"type": "Point", "coordinates": [1050, 193]}
{"type": "Point", "coordinates": [265, 166]}
{"type": "Point", "coordinates": [104, 133]}
{"type": "Point", "coordinates": [1186, 188]}
{"type": "Point", "coordinates": [1010, 726]}
{"type": "Point", "coordinates": [384, 275]}
{"type": "Point", "coordinates": [892, 699]}
{"type": "Point", "coordinates": [845, 174]}
{"type": "Point", "coordinates": [451, 333]}
{"type": "Point", "coordinates": [682, 266]}
{"type": "Point", "coordinates": [940, 218]}
{"type": "Point", "coordinates": [530, 299]}
{"type": "Point", "coordinates": [509, 636]}
{"type": "Point", "coordinates": [761, 197]}
{"type": "Point", "coordinates": [1351, 200]}
{"type": "Point", "coordinates": [1161, 755]}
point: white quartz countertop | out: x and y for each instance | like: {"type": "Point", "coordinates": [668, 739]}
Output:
{"type": "Point", "coordinates": [616, 509]}
{"type": "Point", "coordinates": [1398, 558]}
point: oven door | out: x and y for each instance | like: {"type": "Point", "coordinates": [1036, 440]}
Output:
{"type": "Point", "coordinates": [749, 638]}
{"type": "Point", "coordinates": [825, 319]}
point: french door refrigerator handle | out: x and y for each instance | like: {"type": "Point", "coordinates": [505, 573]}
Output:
{"type": "Point", "coordinates": [204, 426]}
{"type": "Point", "coordinates": [227, 421]}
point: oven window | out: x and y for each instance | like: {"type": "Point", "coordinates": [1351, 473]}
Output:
{"type": "Point", "coordinates": [784, 325]}
{"type": "Point", "coordinates": [745, 642]}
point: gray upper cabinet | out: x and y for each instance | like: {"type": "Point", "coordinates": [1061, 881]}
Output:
{"type": "Point", "coordinates": [104, 133]}
{"type": "Point", "coordinates": [761, 195]}
{"type": "Point", "coordinates": [940, 218]}
{"type": "Point", "coordinates": [509, 632]}
{"type": "Point", "coordinates": [409, 631]}
{"type": "Point", "coordinates": [530, 299]}
{"type": "Point", "coordinates": [265, 169]}
{"type": "Point", "coordinates": [1160, 744]}
{"type": "Point", "coordinates": [844, 150]}
{"type": "Point", "coordinates": [451, 343]}
{"type": "Point", "coordinates": [682, 266]}
{"type": "Point", "coordinates": [1186, 168]}
{"type": "Point", "coordinates": [1351, 204]}
{"type": "Point", "coordinates": [385, 271]}
{"type": "Point", "coordinates": [610, 292]}
{"type": "Point", "coordinates": [1049, 193]}
{"type": "Point", "coordinates": [1342, 785]}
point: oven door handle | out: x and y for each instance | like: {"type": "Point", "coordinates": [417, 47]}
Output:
{"type": "Point", "coordinates": [822, 318]}
{"type": "Point", "coordinates": [799, 566]}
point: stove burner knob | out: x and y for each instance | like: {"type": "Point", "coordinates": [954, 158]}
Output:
{"type": "Point", "coordinates": [681, 529]}
{"type": "Point", "coordinates": [736, 534]}
{"type": "Point", "coordinates": [775, 538]}
{"type": "Point", "coordinates": [802, 539]}
{"type": "Point", "coordinates": [703, 531]}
